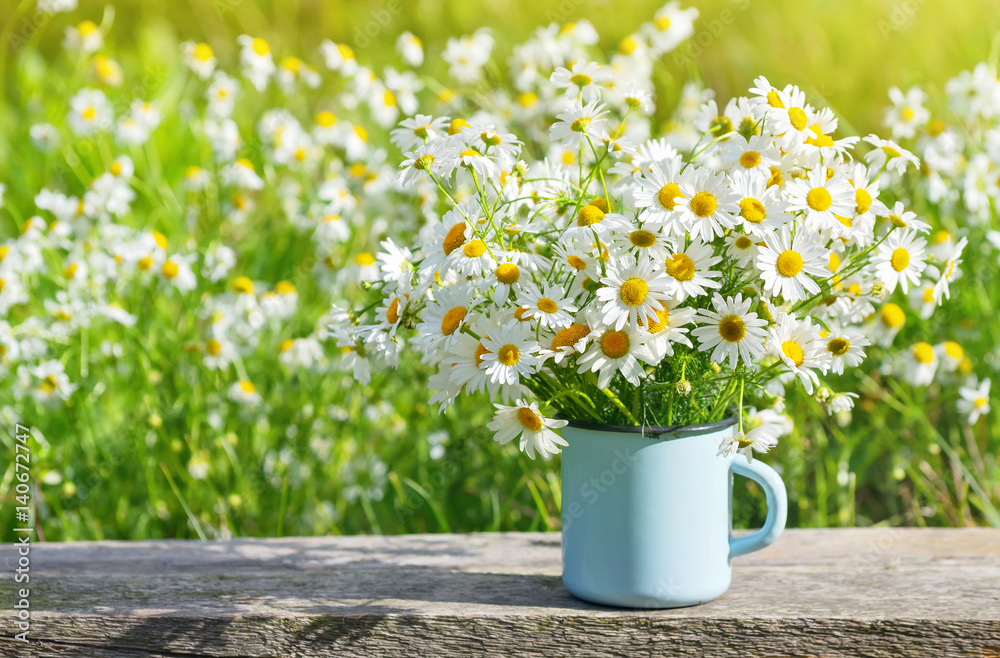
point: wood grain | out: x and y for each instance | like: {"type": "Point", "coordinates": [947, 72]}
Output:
{"type": "Point", "coordinates": [857, 592]}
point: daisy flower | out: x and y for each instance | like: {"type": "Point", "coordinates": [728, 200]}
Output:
{"type": "Point", "coordinates": [790, 118]}
{"type": "Point", "coordinates": [890, 319]}
{"type": "Point", "coordinates": [90, 112]}
{"type": "Point", "coordinates": [577, 122]}
{"type": "Point", "coordinates": [798, 345]}
{"type": "Point", "coordinates": [200, 58]}
{"type": "Point", "coordinates": [899, 260]}
{"type": "Point", "coordinates": [975, 401]}
{"type": "Point", "coordinates": [443, 318]}
{"type": "Point", "coordinates": [761, 208]}
{"type": "Point", "coordinates": [666, 327]}
{"type": "Point", "coordinates": [245, 394]}
{"type": "Point", "coordinates": [822, 199]}
{"type": "Point", "coordinates": [644, 243]}
{"type": "Point", "coordinates": [631, 293]}
{"type": "Point", "coordinates": [742, 248]}
{"type": "Point", "coordinates": [613, 351]}
{"type": "Point", "coordinates": [907, 113]}
{"type": "Point", "coordinates": [594, 222]}
{"type": "Point", "coordinates": [731, 330]}
{"type": "Point", "coordinates": [921, 364]}
{"type": "Point", "coordinates": [902, 218]}
{"type": "Point", "coordinates": [787, 264]}
{"type": "Point", "coordinates": [708, 205]}
{"type": "Point", "coordinates": [949, 271]}
{"type": "Point", "coordinates": [257, 60]}
{"type": "Point", "coordinates": [510, 353]}
{"type": "Point", "coordinates": [756, 155]}
{"type": "Point", "coordinates": [583, 79]}
{"type": "Point", "coordinates": [659, 193]}
{"type": "Point", "coordinates": [888, 154]}
{"type": "Point", "coordinates": [691, 270]}
{"type": "Point", "coordinates": [844, 346]}
{"type": "Point", "coordinates": [550, 307]}
{"type": "Point", "coordinates": [756, 439]}
{"type": "Point", "coordinates": [524, 420]}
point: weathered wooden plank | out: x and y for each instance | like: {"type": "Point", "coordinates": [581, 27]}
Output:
{"type": "Point", "coordinates": [856, 592]}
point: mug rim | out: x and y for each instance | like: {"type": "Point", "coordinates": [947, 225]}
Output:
{"type": "Point", "coordinates": [698, 428]}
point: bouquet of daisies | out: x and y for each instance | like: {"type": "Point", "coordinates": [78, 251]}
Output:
{"type": "Point", "coordinates": [644, 281]}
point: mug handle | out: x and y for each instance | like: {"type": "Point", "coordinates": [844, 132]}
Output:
{"type": "Point", "coordinates": [777, 507]}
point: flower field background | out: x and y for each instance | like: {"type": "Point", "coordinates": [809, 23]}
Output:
{"type": "Point", "coordinates": [199, 393]}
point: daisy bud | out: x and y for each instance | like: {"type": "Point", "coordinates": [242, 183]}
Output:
{"type": "Point", "coordinates": [684, 388]}
{"type": "Point", "coordinates": [716, 368]}
{"type": "Point", "coordinates": [878, 291]}
{"type": "Point", "coordinates": [520, 170]}
{"type": "Point", "coordinates": [823, 394]}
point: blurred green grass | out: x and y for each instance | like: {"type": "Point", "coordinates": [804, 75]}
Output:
{"type": "Point", "coordinates": [848, 53]}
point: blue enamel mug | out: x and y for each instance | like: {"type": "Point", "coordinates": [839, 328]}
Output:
{"type": "Point", "coordinates": [647, 513]}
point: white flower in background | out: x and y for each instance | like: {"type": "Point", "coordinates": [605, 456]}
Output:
{"type": "Point", "coordinates": [51, 384]}
{"type": "Point", "coordinates": [974, 400]}
{"type": "Point", "coordinates": [410, 48]}
{"type": "Point", "coordinates": [467, 55]}
{"type": "Point", "coordinates": [200, 58]}
{"type": "Point", "coordinates": [89, 112]}
{"type": "Point", "coordinates": [44, 136]}
{"type": "Point", "coordinates": [845, 346]}
{"type": "Point", "coordinates": [907, 113]}
{"type": "Point", "coordinates": [888, 154]}
{"type": "Point", "coordinates": [584, 79]}
{"type": "Point", "coordinates": [56, 6]}
{"type": "Point", "coordinates": [84, 37]}
{"type": "Point", "coordinates": [921, 364]}
{"type": "Point", "coordinates": [245, 394]}
{"type": "Point", "coordinates": [257, 60]}
{"type": "Point", "coordinates": [578, 123]}
{"type": "Point", "coordinates": [525, 421]}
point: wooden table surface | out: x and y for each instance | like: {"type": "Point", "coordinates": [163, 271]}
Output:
{"type": "Point", "coordinates": [850, 592]}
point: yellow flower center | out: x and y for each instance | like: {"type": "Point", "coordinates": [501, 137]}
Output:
{"type": "Point", "coordinates": [452, 320]}
{"type": "Point", "coordinates": [863, 200]}
{"type": "Point", "coordinates": [642, 238]}
{"type": "Point", "coordinates": [981, 402]}
{"type": "Point", "coordinates": [900, 259]}
{"type": "Point", "coordinates": [145, 263]}
{"type": "Point", "coordinates": [547, 305]}
{"type": "Point", "coordinates": [750, 159]}
{"type": "Point", "coordinates": [203, 51]}
{"type": "Point", "coordinates": [576, 262]}
{"type": "Point", "coordinates": [668, 195]}
{"type": "Point", "coordinates": [260, 47]}
{"type": "Point", "coordinates": [893, 316]}
{"type": "Point", "coordinates": [89, 113]}
{"type": "Point", "coordinates": [797, 118]}
{"type": "Point", "coordinates": [633, 291]}
{"type": "Point", "coordinates": [86, 28]}
{"type": "Point", "coordinates": [243, 285]}
{"type": "Point", "coordinates": [890, 152]}
{"type": "Point", "coordinates": [529, 419]}
{"type": "Point", "coordinates": [732, 328]}
{"type": "Point", "coordinates": [580, 125]}
{"type": "Point", "coordinates": [213, 347]}
{"type": "Point", "coordinates": [589, 215]}
{"type": "Point", "coordinates": [662, 24]}
{"type": "Point", "coordinates": [658, 322]}
{"type": "Point", "coordinates": [615, 344]}
{"type": "Point", "coordinates": [509, 354]}
{"type": "Point", "coordinates": [793, 352]}
{"type": "Point", "coordinates": [326, 118]}
{"type": "Point", "coordinates": [508, 273]}
{"type": "Point", "coordinates": [569, 336]}
{"type": "Point", "coordinates": [580, 79]}
{"type": "Point", "coordinates": [170, 269]}
{"type": "Point", "coordinates": [703, 204]}
{"type": "Point", "coordinates": [743, 242]}
{"type": "Point", "coordinates": [838, 346]}
{"type": "Point", "coordinates": [364, 258]}
{"type": "Point", "coordinates": [456, 126]}
{"type": "Point", "coordinates": [680, 266]}
{"type": "Point", "coordinates": [627, 46]}
{"type": "Point", "coordinates": [923, 352]}
{"type": "Point", "coordinates": [455, 238]}
{"type": "Point", "coordinates": [819, 199]}
{"type": "Point", "coordinates": [474, 248]}
{"type": "Point", "coordinates": [789, 263]}
{"type": "Point", "coordinates": [361, 133]}
{"type": "Point", "coordinates": [392, 313]}
{"type": "Point", "coordinates": [752, 210]}
{"type": "Point", "coordinates": [389, 98]}
{"type": "Point", "coordinates": [247, 387]}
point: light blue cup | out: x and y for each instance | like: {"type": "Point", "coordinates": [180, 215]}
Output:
{"type": "Point", "coordinates": [647, 517]}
